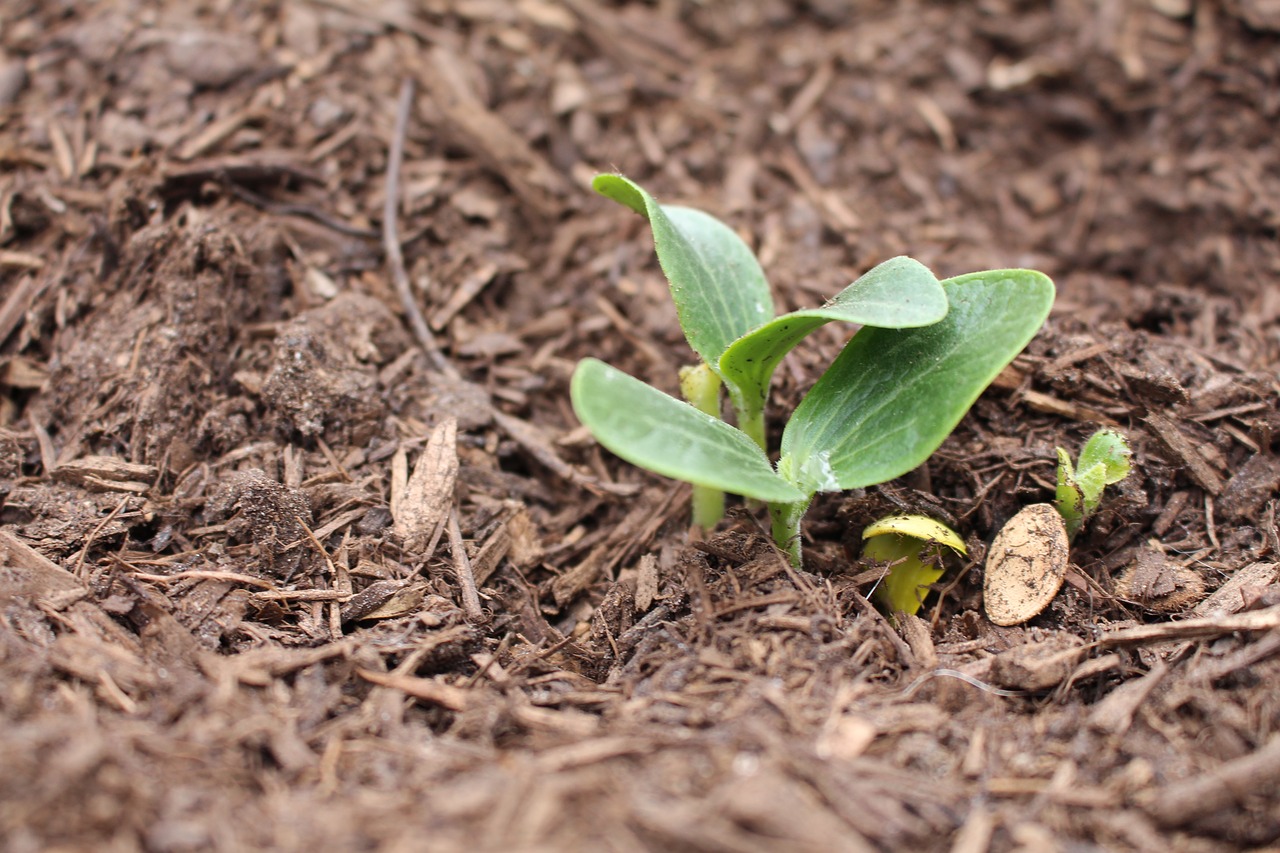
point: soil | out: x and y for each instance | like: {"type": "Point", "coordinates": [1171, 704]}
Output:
{"type": "Point", "coordinates": [286, 568]}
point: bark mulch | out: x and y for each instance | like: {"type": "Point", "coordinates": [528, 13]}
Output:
{"type": "Point", "coordinates": [286, 565]}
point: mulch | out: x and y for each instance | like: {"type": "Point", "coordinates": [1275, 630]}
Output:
{"type": "Point", "coordinates": [302, 546]}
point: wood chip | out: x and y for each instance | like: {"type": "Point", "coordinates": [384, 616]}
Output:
{"type": "Point", "coordinates": [1179, 445]}
{"type": "Point", "coordinates": [1235, 595]}
{"type": "Point", "coordinates": [482, 130]}
{"type": "Point", "coordinates": [1158, 584]}
{"type": "Point", "coordinates": [25, 571]}
{"type": "Point", "coordinates": [1213, 790]}
{"type": "Point", "coordinates": [428, 495]}
{"type": "Point", "coordinates": [431, 690]}
{"type": "Point", "coordinates": [1195, 629]}
{"type": "Point", "coordinates": [1038, 665]}
{"type": "Point", "coordinates": [107, 474]}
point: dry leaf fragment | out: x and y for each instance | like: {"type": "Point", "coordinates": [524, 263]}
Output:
{"type": "Point", "coordinates": [1158, 584]}
{"type": "Point", "coordinates": [428, 494]}
{"type": "Point", "coordinates": [1026, 565]}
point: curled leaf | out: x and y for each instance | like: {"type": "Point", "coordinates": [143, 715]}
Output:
{"type": "Point", "coordinates": [893, 395]}
{"type": "Point", "coordinates": [912, 547]}
{"type": "Point", "coordinates": [899, 293]}
{"type": "Point", "coordinates": [718, 286]}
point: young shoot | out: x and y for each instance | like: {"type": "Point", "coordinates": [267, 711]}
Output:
{"type": "Point", "coordinates": [911, 549]}
{"type": "Point", "coordinates": [1104, 461]}
{"type": "Point", "coordinates": [725, 309]}
{"type": "Point", "coordinates": [882, 407]}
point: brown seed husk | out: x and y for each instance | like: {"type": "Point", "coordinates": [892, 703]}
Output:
{"type": "Point", "coordinates": [1025, 566]}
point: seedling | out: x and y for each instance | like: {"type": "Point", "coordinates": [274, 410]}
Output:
{"type": "Point", "coordinates": [725, 309]}
{"type": "Point", "coordinates": [889, 399]}
{"type": "Point", "coordinates": [911, 548]}
{"type": "Point", "coordinates": [1104, 461]}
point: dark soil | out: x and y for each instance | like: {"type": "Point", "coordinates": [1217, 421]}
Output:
{"type": "Point", "coordinates": [242, 491]}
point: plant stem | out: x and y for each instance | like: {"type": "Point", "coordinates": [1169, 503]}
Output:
{"type": "Point", "coordinates": [785, 519]}
{"type": "Point", "coordinates": [701, 387]}
{"type": "Point", "coordinates": [752, 423]}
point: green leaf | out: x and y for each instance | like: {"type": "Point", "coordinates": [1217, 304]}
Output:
{"type": "Point", "coordinates": [1068, 496]}
{"type": "Point", "coordinates": [899, 293]}
{"type": "Point", "coordinates": [1110, 449]}
{"type": "Point", "coordinates": [656, 431]}
{"type": "Point", "coordinates": [893, 395]}
{"type": "Point", "coordinates": [716, 282]}
{"type": "Point", "coordinates": [1091, 481]}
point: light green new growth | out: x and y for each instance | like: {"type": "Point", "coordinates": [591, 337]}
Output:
{"type": "Point", "coordinates": [927, 349]}
{"type": "Point", "coordinates": [701, 387]}
{"type": "Point", "coordinates": [910, 547]}
{"type": "Point", "coordinates": [1104, 461]}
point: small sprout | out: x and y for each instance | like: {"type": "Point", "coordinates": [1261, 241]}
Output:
{"type": "Point", "coordinates": [1025, 565]}
{"type": "Point", "coordinates": [924, 353]}
{"type": "Point", "coordinates": [911, 545]}
{"type": "Point", "coordinates": [1104, 461]}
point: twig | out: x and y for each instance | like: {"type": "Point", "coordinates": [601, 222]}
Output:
{"type": "Point", "coordinates": [88, 543]}
{"type": "Point", "coordinates": [290, 209]}
{"type": "Point", "coordinates": [391, 236]}
{"type": "Point", "coordinates": [462, 568]}
{"type": "Point", "coordinates": [1218, 789]}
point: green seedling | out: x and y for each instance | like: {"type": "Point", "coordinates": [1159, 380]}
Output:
{"type": "Point", "coordinates": [911, 546]}
{"type": "Point", "coordinates": [884, 405]}
{"type": "Point", "coordinates": [725, 308]}
{"type": "Point", "coordinates": [1104, 461]}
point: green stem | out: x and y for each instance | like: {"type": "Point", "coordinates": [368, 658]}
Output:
{"type": "Point", "coordinates": [752, 423]}
{"type": "Point", "coordinates": [785, 522]}
{"type": "Point", "coordinates": [701, 387]}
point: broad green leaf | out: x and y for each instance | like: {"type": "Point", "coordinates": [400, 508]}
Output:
{"type": "Point", "coordinates": [1109, 449]}
{"type": "Point", "coordinates": [656, 431]}
{"type": "Point", "coordinates": [899, 293]}
{"type": "Point", "coordinates": [893, 395]}
{"type": "Point", "coordinates": [716, 282]}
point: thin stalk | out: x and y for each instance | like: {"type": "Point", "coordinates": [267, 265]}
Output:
{"type": "Point", "coordinates": [701, 388]}
{"type": "Point", "coordinates": [752, 423]}
{"type": "Point", "coordinates": [785, 523]}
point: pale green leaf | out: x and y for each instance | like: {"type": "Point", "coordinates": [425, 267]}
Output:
{"type": "Point", "coordinates": [899, 293]}
{"type": "Point", "coordinates": [718, 287]}
{"type": "Point", "coordinates": [657, 432]}
{"type": "Point", "coordinates": [1068, 496]}
{"type": "Point", "coordinates": [893, 395]}
{"type": "Point", "coordinates": [1110, 449]}
{"type": "Point", "coordinates": [914, 566]}
{"type": "Point", "coordinates": [1091, 481]}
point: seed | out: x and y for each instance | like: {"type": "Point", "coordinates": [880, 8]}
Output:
{"type": "Point", "coordinates": [1026, 565]}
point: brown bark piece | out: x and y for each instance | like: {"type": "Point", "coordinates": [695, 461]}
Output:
{"type": "Point", "coordinates": [1178, 444]}
{"type": "Point", "coordinates": [1256, 481]}
{"type": "Point", "coordinates": [428, 494]}
{"type": "Point", "coordinates": [1038, 665]}
{"type": "Point", "coordinates": [107, 474]}
{"type": "Point", "coordinates": [484, 132]}
{"type": "Point", "coordinates": [1236, 594]}
{"type": "Point", "coordinates": [25, 571]}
